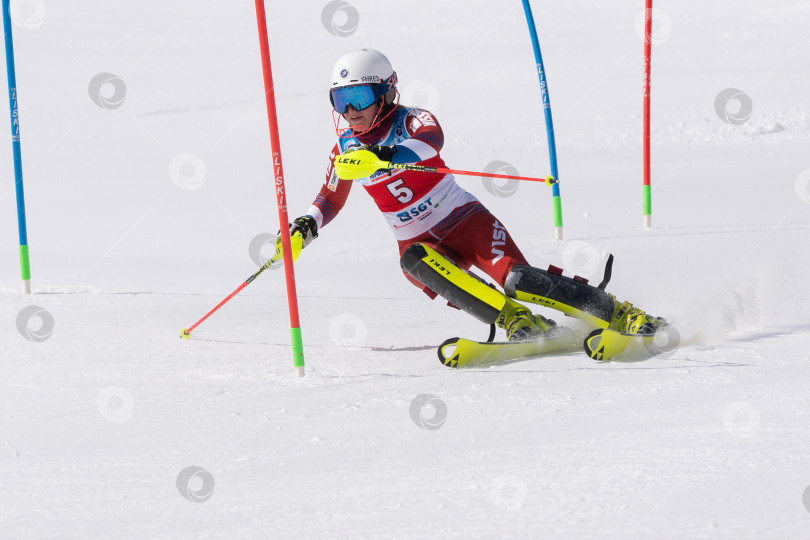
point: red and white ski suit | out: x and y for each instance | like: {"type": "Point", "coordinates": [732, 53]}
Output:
{"type": "Point", "coordinates": [429, 208]}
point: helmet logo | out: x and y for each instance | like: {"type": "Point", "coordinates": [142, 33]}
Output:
{"type": "Point", "coordinates": [344, 73]}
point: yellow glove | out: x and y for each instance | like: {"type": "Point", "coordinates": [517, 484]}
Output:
{"type": "Point", "coordinates": [354, 164]}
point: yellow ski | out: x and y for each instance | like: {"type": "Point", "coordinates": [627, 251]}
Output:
{"type": "Point", "coordinates": [465, 353]}
{"type": "Point", "coordinates": [609, 345]}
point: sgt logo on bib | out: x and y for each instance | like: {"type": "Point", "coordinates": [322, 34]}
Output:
{"type": "Point", "coordinates": [414, 211]}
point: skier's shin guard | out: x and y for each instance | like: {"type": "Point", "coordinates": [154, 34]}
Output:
{"type": "Point", "coordinates": [572, 297]}
{"type": "Point", "coordinates": [432, 269]}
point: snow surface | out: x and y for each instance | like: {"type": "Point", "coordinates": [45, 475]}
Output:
{"type": "Point", "coordinates": [100, 422]}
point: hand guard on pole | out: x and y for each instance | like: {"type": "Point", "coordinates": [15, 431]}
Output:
{"type": "Point", "coordinates": [358, 163]}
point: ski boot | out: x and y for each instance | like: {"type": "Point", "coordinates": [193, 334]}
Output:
{"type": "Point", "coordinates": [574, 297]}
{"type": "Point", "coordinates": [520, 324]}
{"type": "Point", "coordinates": [632, 320]}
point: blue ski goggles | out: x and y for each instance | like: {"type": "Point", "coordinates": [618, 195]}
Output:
{"type": "Point", "coordinates": [360, 96]}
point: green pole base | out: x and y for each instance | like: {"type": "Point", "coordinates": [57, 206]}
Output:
{"type": "Point", "coordinates": [25, 270]}
{"type": "Point", "coordinates": [557, 202]}
{"type": "Point", "coordinates": [25, 265]}
{"type": "Point", "coordinates": [298, 351]}
{"type": "Point", "coordinates": [647, 204]}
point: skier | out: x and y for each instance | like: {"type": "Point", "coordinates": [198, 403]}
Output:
{"type": "Point", "coordinates": [442, 230]}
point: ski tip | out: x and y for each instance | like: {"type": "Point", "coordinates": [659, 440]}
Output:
{"type": "Point", "coordinates": [447, 353]}
{"type": "Point", "coordinates": [610, 345]}
{"type": "Point", "coordinates": [593, 345]}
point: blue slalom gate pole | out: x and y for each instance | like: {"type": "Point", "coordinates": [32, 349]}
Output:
{"type": "Point", "coordinates": [552, 146]}
{"type": "Point", "coordinates": [25, 267]}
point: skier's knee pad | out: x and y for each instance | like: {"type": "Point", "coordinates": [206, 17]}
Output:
{"type": "Point", "coordinates": [436, 272]}
{"type": "Point", "coordinates": [572, 296]}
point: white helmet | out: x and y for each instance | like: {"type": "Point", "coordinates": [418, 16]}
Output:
{"type": "Point", "coordinates": [362, 68]}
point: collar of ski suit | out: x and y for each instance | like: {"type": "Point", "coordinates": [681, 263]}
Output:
{"type": "Point", "coordinates": [376, 134]}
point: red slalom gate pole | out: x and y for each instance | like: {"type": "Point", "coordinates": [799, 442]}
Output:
{"type": "Point", "coordinates": [281, 198]}
{"type": "Point", "coordinates": [647, 187]}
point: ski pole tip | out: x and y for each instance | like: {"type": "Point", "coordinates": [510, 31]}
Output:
{"type": "Point", "coordinates": [184, 333]}
{"type": "Point", "coordinates": [550, 180]}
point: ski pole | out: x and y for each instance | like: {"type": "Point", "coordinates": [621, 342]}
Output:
{"type": "Point", "coordinates": [363, 163]}
{"type": "Point", "coordinates": [549, 180]}
{"type": "Point", "coordinates": [296, 241]}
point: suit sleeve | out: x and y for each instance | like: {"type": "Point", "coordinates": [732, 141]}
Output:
{"type": "Point", "coordinates": [333, 194]}
{"type": "Point", "coordinates": [425, 138]}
